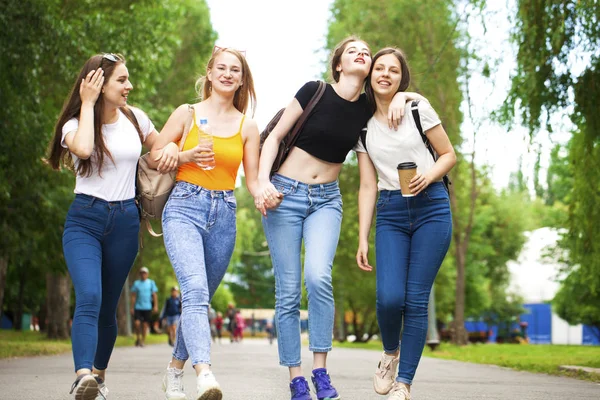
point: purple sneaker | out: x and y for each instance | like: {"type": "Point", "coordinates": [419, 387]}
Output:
{"type": "Point", "coordinates": [299, 389]}
{"type": "Point", "coordinates": [322, 383]}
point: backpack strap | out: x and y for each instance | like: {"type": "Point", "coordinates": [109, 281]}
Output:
{"type": "Point", "coordinates": [363, 138]}
{"type": "Point", "coordinates": [415, 112]}
{"type": "Point", "coordinates": [305, 114]}
{"type": "Point", "coordinates": [188, 125]}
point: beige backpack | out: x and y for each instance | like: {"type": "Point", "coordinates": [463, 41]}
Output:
{"type": "Point", "coordinates": [153, 188]}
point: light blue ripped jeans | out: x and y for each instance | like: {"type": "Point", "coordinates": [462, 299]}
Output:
{"type": "Point", "coordinates": [313, 214]}
{"type": "Point", "coordinates": [199, 232]}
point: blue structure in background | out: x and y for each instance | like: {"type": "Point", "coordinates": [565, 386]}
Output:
{"type": "Point", "coordinates": [591, 335]}
{"type": "Point", "coordinates": [539, 323]}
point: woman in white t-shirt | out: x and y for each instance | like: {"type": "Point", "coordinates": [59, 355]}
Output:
{"type": "Point", "coordinates": [413, 231]}
{"type": "Point", "coordinates": [101, 139]}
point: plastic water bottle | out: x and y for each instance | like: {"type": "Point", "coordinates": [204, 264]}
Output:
{"type": "Point", "coordinates": [205, 138]}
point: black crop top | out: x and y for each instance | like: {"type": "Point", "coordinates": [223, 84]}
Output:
{"type": "Point", "coordinates": [334, 126]}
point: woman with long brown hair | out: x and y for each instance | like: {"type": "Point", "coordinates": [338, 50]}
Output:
{"type": "Point", "coordinates": [199, 217]}
{"type": "Point", "coordinates": [311, 211]}
{"type": "Point", "coordinates": [101, 138]}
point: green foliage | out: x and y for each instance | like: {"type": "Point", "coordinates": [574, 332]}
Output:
{"type": "Point", "coordinates": [44, 44]}
{"type": "Point", "coordinates": [550, 35]}
{"type": "Point", "coordinates": [576, 303]}
{"type": "Point", "coordinates": [251, 282]}
{"type": "Point", "coordinates": [222, 298]}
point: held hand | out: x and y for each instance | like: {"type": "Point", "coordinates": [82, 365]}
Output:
{"type": "Point", "coordinates": [155, 309]}
{"type": "Point", "coordinates": [267, 197]}
{"type": "Point", "coordinates": [396, 110]}
{"type": "Point", "coordinates": [202, 154]}
{"type": "Point", "coordinates": [91, 86]}
{"type": "Point", "coordinates": [418, 183]}
{"type": "Point", "coordinates": [168, 157]}
{"type": "Point", "coordinates": [361, 257]}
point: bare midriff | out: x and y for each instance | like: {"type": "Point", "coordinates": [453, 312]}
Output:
{"type": "Point", "coordinates": [306, 168]}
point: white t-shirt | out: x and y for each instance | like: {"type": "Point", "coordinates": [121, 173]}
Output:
{"type": "Point", "coordinates": [387, 147]}
{"type": "Point", "coordinates": [122, 140]}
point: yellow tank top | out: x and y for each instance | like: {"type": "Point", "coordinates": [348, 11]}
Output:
{"type": "Point", "coordinates": [229, 152]}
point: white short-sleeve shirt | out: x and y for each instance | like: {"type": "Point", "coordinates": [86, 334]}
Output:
{"type": "Point", "coordinates": [388, 147]}
{"type": "Point", "coordinates": [117, 180]}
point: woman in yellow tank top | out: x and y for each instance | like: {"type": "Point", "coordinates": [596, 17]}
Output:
{"type": "Point", "coordinates": [199, 218]}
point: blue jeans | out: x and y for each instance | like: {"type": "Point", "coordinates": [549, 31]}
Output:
{"type": "Point", "coordinates": [199, 232]}
{"type": "Point", "coordinates": [312, 213]}
{"type": "Point", "coordinates": [100, 242]}
{"type": "Point", "coordinates": [412, 237]}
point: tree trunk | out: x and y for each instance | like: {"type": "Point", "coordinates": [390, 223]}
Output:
{"type": "Point", "coordinates": [58, 305]}
{"type": "Point", "coordinates": [3, 270]}
{"type": "Point", "coordinates": [459, 334]}
{"type": "Point", "coordinates": [18, 321]}
{"type": "Point", "coordinates": [123, 322]}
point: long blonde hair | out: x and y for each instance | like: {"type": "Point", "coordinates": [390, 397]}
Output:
{"type": "Point", "coordinates": [244, 95]}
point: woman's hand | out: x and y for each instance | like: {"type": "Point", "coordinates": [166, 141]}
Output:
{"type": "Point", "coordinates": [362, 255]}
{"type": "Point", "coordinates": [418, 183]}
{"type": "Point", "coordinates": [267, 197]}
{"type": "Point", "coordinates": [168, 158]}
{"type": "Point", "coordinates": [201, 154]}
{"type": "Point", "coordinates": [398, 106]}
{"type": "Point", "coordinates": [396, 109]}
{"type": "Point", "coordinates": [91, 86]}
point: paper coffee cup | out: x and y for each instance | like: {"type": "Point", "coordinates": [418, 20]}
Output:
{"type": "Point", "coordinates": [406, 171]}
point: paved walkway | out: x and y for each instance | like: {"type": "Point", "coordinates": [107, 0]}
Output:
{"type": "Point", "coordinates": [250, 371]}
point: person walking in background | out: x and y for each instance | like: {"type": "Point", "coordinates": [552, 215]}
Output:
{"type": "Point", "coordinates": [219, 325]}
{"type": "Point", "coordinates": [413, 230]}
{"type": "Point", "coordinates": [240, 325]}
{"type": "Point", "coordinates": [307, 180]}
{"type": "Point", "coordinates": [231, 321]}
{"type": "Point", "coordinates": [172, 313]}
{"type": "Point", "coordinates": [144, 301]}
{"type": "Point", "coordinates": [212, 314]}
{"type": "Point", "coordinates": [100, 138]}
{"type": "Point", "coordinates": [199, 217]}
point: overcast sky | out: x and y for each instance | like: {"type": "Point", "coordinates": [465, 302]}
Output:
{"type": "Point", "coordinates": [287, 50]}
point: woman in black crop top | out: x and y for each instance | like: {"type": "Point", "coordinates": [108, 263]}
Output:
{"type": "Point", "coordinates": [311, 210]}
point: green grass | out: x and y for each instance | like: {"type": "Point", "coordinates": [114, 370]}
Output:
{"type": "Point", "coordinates": [26, 344]}
{"type": "Point", "coordinates": [532, 358]}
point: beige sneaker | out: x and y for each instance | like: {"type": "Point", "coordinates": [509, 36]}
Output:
{"type": "Point", "coordinates": [385, 374]}
{"type": "Point", "coordinates": [208, 387]}
{"type": "Point", "coordinates": [399, 392]}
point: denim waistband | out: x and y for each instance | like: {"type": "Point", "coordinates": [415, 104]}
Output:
{"type": "Point", "coordinates": [434, 187]}
{"type": "Point", "coordinates": [330, 187]}
{"type": "Point", "coordinates": [90, 200]}
{"type": "Point", "coordinates": [200, 191]}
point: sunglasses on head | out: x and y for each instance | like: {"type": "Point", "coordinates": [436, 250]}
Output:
{"type": "Point", "coordinates": [111, 57]}
{"type": "Point", "coordinates": [218, 48]}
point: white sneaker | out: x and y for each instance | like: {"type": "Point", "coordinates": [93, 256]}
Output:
{"type": "Point", "coordinates": [102, 392]}
{"type": "Point", "coordinates": [85, 387]}
{"type": "Point", "coordinates": [399, 392]}
{"type": "Point", "coordinates": [385, 374]}
{"type": "Point", "coordinates": [208, 387]}
{"type": "Point", "coordinates": [173, 384]}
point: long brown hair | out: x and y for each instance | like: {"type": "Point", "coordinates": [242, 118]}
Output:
{"type": "Point", "coordinates": [72, 108]}
{"type": "Point", "coordinates": [404, 81]}
{"type": "Point", "coordinates": [244, 94]}
{"type": "Point", "coordinates": [336, 55]}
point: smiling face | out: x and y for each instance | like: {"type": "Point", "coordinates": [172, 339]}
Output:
{"type": "Point", "coordinates": [355, 59]}
{"type": "Point", "coordinates": [117, 87]}
{"type": "Point", "coordinates": [226, 73]}
{"type": "Point", "coordinates": [386, 75]}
